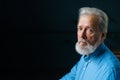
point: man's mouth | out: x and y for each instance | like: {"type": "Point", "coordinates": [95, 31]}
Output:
{"type": "Point", "coordinates": [82, 43]}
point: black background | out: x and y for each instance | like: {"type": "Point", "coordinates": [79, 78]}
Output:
{"type": "Point", "coordinates": [38, 36]}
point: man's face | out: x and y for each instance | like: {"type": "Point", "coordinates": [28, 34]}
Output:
{"type": "Point", "coordinates": [88, 31]}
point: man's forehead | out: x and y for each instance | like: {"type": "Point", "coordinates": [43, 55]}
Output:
{"type": "Point", "coordinates": [88, 20]}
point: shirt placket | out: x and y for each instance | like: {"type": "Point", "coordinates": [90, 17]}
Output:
{"type": "Point", "coordinates": [84, 69]}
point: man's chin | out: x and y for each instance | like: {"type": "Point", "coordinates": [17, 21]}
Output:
{"type": "Point", "coordinates": [82, 46]}
{"type": "Point", "coordinates": [80, 49]}
{"type": "Point", "coordinates": [86, 49]}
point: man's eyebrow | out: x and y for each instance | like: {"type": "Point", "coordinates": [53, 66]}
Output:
{"type": "Point", "coordinates": [92, 27]}
{"type": "Point", "coordinates": [78, 26]}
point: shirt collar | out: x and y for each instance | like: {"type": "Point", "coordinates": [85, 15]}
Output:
{"type": "Point", "coordinates": [96, 53]}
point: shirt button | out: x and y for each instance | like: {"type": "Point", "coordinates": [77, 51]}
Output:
{"type": "Point", "coordinates": [89, 61]}
{"type": "Point", "coordinates": [83, 68]}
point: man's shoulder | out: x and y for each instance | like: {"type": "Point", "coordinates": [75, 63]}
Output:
{"type": "Point", "coordinates": [110, 60]}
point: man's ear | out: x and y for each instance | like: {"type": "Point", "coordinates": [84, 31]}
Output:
{"type": "Point", "coordinates": [103, 35]}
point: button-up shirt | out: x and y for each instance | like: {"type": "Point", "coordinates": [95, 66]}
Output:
{"type": "Point", "coordinates": [102, 64]}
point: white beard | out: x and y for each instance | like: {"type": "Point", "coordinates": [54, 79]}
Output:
{"type": "Point", "coordinates": [86, 50]}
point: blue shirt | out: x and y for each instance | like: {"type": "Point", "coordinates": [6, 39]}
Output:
{"type": "Point", "coordinates": [102, 64]}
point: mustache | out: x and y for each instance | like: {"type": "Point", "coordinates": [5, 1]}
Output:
{"type": "Point", "coordinates": [82, 40]}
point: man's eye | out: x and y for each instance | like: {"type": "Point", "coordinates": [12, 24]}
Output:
{"type": "Point", "coordinates": [91, 30]}
{"type": "Point", "coordinates": [79, 28]}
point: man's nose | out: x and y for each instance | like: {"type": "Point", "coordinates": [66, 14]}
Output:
{"type": "Point", "coordinates": [83, 34]}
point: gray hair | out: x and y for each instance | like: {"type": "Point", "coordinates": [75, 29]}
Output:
{"type": "Point", "coordinates": [103, 18]}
